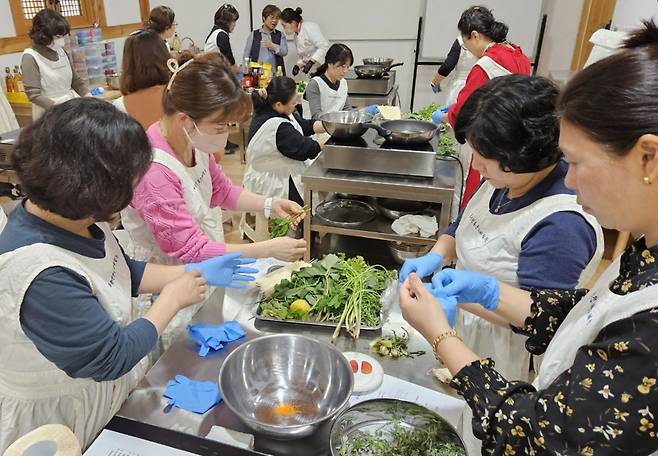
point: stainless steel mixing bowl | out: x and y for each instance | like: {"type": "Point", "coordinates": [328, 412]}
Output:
{"type": "Point", "coordinates": [346, 124]}
{"type": "Point", "coordinates": [285, 385]}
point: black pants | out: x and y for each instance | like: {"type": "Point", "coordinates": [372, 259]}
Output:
{"type": "Point", "coordinates": [293, 194]}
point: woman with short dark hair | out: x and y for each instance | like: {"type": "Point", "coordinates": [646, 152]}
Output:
{"type": "Point", "coordinates": [523, 225]}
{"type": "Point", "coordinates": [162, 20]}
{"type": "Point", "coordinates": [72, 349]}
{"type": "Point", "coordinates": [327, 89]}
{"type": "Point", "coordinates": [596, 391]}
{"type": "Point", "coordinates": [48, 73]}
{"type": "Point", "coordinates": [144, 76]}
{"type": "Point", "coordinates": [218, 39]}
{"type": "Point", "coordinates": [267, 44]}
{"type": "Point", "coordinates": [175, 215]}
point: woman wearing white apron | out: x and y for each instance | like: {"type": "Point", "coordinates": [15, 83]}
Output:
{"type": "Point", "coordinates": [71, 347]}
{"type": "Point", "coordinates": [460, 60]}
{"type": "Point", "coordinates": [175, 213]}
{"type": "Point", "coordinates": [523, 225]}
{"type": "Point", "coordinates": [280, 148]}
{"type": "Point", "coordinates": [327, 90]}
{"type": "Point", "coordinates": [7, 118]}
{"type": "Point", "coordinates": [47, 72]}
{"type": "Point", "coordinates": [226, 17]}
{"type": "Point", "coordinates": [597, 390]}
{"type": "Point", "coordinates": [310, 42]}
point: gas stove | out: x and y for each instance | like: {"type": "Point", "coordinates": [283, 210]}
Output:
{"type": "Point", "coordinates": [372, 154]}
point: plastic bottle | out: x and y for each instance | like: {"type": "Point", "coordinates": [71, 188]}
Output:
{"type": "Point", "coordinates": [18, 79]}
{"type": "Point", "coordinates": [176, 44]}
{"type": "Point", "coordinates": [9, 81]}
{"type": "Point", "coordinates": [279, 71]}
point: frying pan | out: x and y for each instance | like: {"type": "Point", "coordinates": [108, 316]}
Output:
{"type": "Point", "coordinates": [406, 132]}
{"type": "Point", "coordinates": [373, 71]}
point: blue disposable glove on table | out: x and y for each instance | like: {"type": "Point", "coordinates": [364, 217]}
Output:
{"type": "Point", "coordinates": [192, 395]}
{"type": "Point", "coordinates": [373, 110]}
{"type": "Point", "coordinates": [448, 303]}
{"type": "Point", "coordinates": [208, 337]}
{"type": "Point", "coordinates": [468, 287]}
{"type": "Point", "coordinates": [422, 266]}
{"type": "Point", "coordinates": [225, 271]}
{"type": "Point", "coordinates": [437, 116]}
{"type": "Point", "coordinates": [436, 88]}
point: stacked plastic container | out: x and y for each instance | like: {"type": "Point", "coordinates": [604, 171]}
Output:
{"type": "Point", "coordinates": [92, 58]}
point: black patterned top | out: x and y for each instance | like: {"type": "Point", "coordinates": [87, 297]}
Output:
{"type": "Point", "coordinates": [606, 403]}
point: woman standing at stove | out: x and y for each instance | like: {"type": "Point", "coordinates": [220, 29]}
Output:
{"type": "Point", "coordinates": [327, 90]}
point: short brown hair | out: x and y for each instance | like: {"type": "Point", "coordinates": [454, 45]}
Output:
{"type": "Point", "coordinates": [144, 62]}
{"type": "Point", "coordinates": [161, 18]}
{"type": "Point", "coordinates": [271, 10]}
{"type": "Point", "coordinates": [207, 87]}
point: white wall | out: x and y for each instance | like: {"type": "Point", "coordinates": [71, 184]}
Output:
{"type": "Point", "coordinates": [629, 13]}
{"type": "Point", "coordinates": [560, 35]}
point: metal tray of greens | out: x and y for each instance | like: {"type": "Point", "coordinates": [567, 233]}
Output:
{"type": "Point", "coordinates": [391, 427]}
{"type": "Point", "coordinates": [333, 292]}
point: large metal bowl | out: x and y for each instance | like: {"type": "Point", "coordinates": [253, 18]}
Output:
{"type": "Point", "coordinates": [285, 385]}
{"type": "Point", "coordinates": [345, 124]}
{"type": "Point", "coordinates": [384, 61]}
{"type": "Point", "coordinates": [402, 251]}
{"type": "Point", "coordinates": [380, 416]}
{"type": "Point", "coordinates": [393, 209]}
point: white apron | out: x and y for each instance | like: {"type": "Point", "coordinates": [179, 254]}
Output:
{"type": "Point", "coordinates": [491, 244]}
{"type": "Point", "coordinates": [493, 70]}
{"type": "Point", "coordinates": [7, 117]}
{"type": "Point", "coordinates": [33, 391]}
{"type": "Point", "coordinates": [141, 244]}
{"type": "Point", "coordinates": [211, 42]}
{"type": "Point", "coordinates": [3, 220]}
{"type": "Point", "coordinates": [311, 45]}
{"type": "Point", "coordinates": [464, 66]}
{"type": "Point", "coordinates": [330, 101]}
{"type": "Point", "coordinates": [268, 170]}
{"type": "Point", "coordinates": [56, 79]}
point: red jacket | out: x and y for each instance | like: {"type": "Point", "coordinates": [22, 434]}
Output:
{"type": "Point", "coordinates": [514, 60]}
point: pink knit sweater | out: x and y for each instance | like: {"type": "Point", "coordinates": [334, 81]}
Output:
{"type": "Point", "coordinates": [158, 198]}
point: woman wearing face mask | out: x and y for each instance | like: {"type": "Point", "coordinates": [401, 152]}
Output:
{"type": "Point", "coordinates": [218, 39]}
{"type": "Point", "coordinates": [309, 40]}
{"type": "Point", "coordinates": [162, 20]}
{"type": "Point", "coordinates": [279, 142]}
{"type": "Point", "coordinates": [267, 44]}
{"type": "Point", "coordinates": [175, 214]}
{"type": "Point", "coordinates": [327, 90]}
{"type": "Point", "coordinates": [596, 392]}
{"type": "Point", "coordinates": [48, 75]}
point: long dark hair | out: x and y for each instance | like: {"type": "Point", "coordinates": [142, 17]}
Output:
{"type": "Point", "coordinates": [337, 53]}
{"type": "Point", "coordinates": [480, 19]}
{"type": "Point", "coordinates": [281, 89]}
{"type": "Point", "coordinates": [614, 100]}
{"type": "Point", "coordinates": [511, 119]}
{"type": "Point", "coordinates": [289, 15]}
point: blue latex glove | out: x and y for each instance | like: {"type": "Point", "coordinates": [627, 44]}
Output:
{"type": "Point", "coordinates": [192, 395]}
{"type": "Point", "coordinates": [423, 266]}
{"type": "Point", "coordinates": [437, 115]}
{"type": "Point", "coordinates": [373, 110]}
{"type": "Point", "coordinates": [208, 337]}
{"type": "Point", "coordinates": [96, 91]}
{"type": "Point", "coordinates": [468, 287]}
{"type": "Point", "coordinates": [448, 304]}
{"type": "Point", "coordinates": [436, 88]}
{"type": "Point", "coordinates": [225, 271]}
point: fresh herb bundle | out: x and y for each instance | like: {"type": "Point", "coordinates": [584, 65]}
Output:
{"type": "Point", "coordinates": [425, 113]}
{"type": "Point", "coordinates": [279, 227]}
{"type": "Point", "coordinates": [394, 346]}
{"type": "Point", "coordinates": [338, 290]}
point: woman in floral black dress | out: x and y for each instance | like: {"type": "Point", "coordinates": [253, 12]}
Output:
{"type": "Point", "coordinates": [596, 392]}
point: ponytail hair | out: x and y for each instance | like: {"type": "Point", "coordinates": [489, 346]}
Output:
{"type": "Point", "coordinates": [480, 19]}
{"type": "Point", "coordinates": [338, 53]}
{"type": "Point", "coordinates": [281, 89]}
{"type": "Point", "coordinates": [289, 15]}
{"type": "Point", "coordinates": [160, 19]}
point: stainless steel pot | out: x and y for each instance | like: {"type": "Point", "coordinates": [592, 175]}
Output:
{"type": "Point", "coordinates": [346, 124]}
{"type": "Point", "coordinates": [385, 61]}
{"type": "Point", "coordinates": [373, 71]}
{"type": "Point", "coordinates": [406, 132]}
{"type": "Point", "coordinates": [402, 251]}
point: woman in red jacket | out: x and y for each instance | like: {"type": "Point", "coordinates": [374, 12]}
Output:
{"type": "Point", "coordinates": [485, 38]}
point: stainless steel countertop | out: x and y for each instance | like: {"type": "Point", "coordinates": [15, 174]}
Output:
{"type": "Point", "coordinates": [147, 405]}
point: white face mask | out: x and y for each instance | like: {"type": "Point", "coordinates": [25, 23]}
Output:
{"type": "Point", "coordinates": [58, 43]}
{"type": "Point", "coordinates": [205, 142]}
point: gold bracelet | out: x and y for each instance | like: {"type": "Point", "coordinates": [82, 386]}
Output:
{"type": "Point", "coordinates": [440, 338]}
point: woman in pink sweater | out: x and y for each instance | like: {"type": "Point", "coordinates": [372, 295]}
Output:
{"type": "Point", "coordinates": [175, 213]}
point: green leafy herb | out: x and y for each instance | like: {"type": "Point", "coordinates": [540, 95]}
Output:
{"type": "Point", "coordinates": [301, 86]}
{"type": "Point", "coordinates": [399, 440]}
{"type": "Point", "coordinates": [447, 143]}
{"type": "Point", "coordinates": [279, 227]}
{"type": "Point", "coordinates": [425, 113]}
{"type": "Point", "coordinates": [339, 290]}
{"type": "Point", "coordinates": [394, 346]}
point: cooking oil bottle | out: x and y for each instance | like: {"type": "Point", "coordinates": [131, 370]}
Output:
{"type": "Point", "coordinates": [18, 79]}
{"type": "Point", "coordinates": [9, 81]}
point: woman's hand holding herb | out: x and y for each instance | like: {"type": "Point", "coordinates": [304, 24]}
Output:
{"type": "Point", "coordinates": [284, 208]}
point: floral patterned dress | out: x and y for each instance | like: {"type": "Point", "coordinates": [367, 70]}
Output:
{"type": "Point", "coordinates": [606, 403]}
